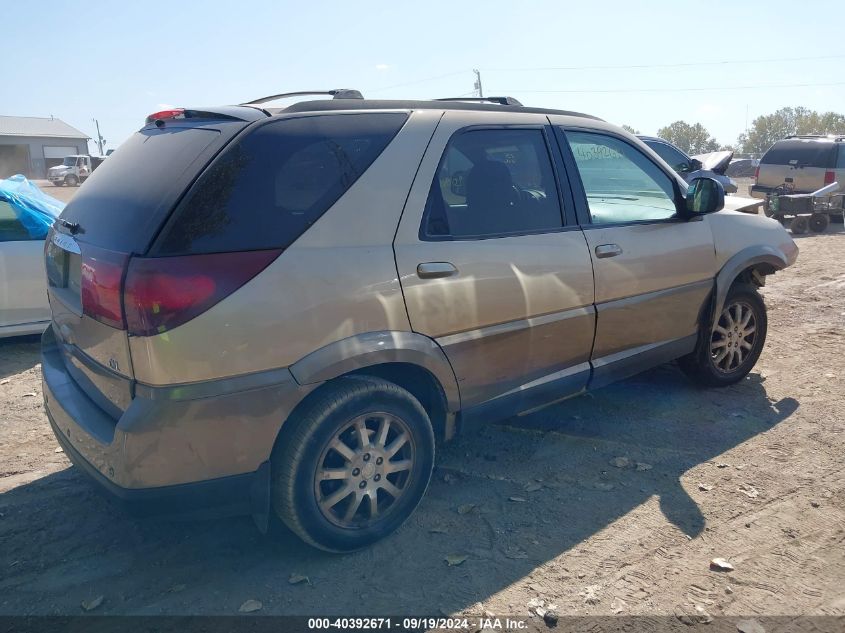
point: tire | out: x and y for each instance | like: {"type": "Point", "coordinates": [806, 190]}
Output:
{"type": "Point", "coordinates": [58, 183]}
{"type": "Point", "coordinates": [800, 224]}
{"type": "Point", "coordinates": [71, 181]}
{"type": "Point", "coordinates": [313, 506]}
{"type": "Point", "coordinates": [706, 365]}
{"type": "Point", "coordinates": [819, 222]}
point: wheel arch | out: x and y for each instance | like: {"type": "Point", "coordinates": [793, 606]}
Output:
{"type": "Point", "coordinates": [751, 265]}
{"type": "Point", "coordinates": [410, 360]}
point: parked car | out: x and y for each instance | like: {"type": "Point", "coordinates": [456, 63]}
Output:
{"type": "Point", "coordinates": [74, 170]}
{"type": "Point", "coordinates": [278, 311]}
{"type": "Point", "coordinates": [26, 215]}
{"type": "Point", "coordinates": [710, 165]}
{"type": "Point", "coordinates": [803, 164]}
{"type": "Point", "coordinates": [742, 167]}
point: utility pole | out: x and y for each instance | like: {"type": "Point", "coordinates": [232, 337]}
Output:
{"type": "Point", "coordinates": [478, 82]}
{"type": "Point", "coordinates": [100, 140]}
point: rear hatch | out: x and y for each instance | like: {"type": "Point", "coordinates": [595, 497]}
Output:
{"type": "Point", "coordinates": [799, 162]}
{"type": "Point", "coordinates": [115, 216]}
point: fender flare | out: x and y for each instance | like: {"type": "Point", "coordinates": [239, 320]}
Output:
{"type": "Point", "coordinates": [375, 348]}
{"type": "Point", "coordinates": [744, 259]}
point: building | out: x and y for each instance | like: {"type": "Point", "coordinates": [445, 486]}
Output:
{"type": "Point", "coordinates": [31, 145]}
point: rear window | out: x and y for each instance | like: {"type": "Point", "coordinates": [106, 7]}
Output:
{"type": "Point", "coordinates": [268, 187]}
{"type": "Point", "coordinates": [804, 152]}
{"type": "Point", "coordinates": [125, 201]}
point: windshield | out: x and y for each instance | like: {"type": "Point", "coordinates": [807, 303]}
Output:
{"type": "Point", "coordinates": [69, 161]}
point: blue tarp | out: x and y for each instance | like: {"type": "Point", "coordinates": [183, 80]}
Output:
{"type": "Point", "coordinates": [33, 208]}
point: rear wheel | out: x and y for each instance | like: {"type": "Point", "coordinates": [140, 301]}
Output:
{"type": "Point", "coordinates": [354, 466]}
{"type": "Point", "coordinates": [733, 344]}
{"type": "Point", "coordinates": [800, 224]}
{"type": "Point", "coordinates": [819, 222]}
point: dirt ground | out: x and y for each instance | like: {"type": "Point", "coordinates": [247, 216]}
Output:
{"type": "Point", "coordinates": [753, 474]}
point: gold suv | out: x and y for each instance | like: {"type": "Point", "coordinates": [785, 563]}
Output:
{"type": "Point", "coordinates": [278, 311]}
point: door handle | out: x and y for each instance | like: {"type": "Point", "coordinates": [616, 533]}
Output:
{"type": "Point", "coordinates": [436, 270]}
{"type": "Point", "coordinates": [608, 250]}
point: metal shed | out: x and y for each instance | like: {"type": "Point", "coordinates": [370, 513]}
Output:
{"type": "Point", "coordinates": [31, 145]}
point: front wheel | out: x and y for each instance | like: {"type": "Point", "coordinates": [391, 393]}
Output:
{"type": "Point", "coordinates": [354, 465]}
{"type": "Point", "coordinates": [71, 181]}
{"type": "Point", "coordinates": [733, 344]}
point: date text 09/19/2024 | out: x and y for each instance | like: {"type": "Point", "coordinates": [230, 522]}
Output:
{"type": "Point", "coordinates": [417, 623]}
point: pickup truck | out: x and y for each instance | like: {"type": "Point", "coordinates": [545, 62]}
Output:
{"type": "Point", "coordinates": [74, 170]}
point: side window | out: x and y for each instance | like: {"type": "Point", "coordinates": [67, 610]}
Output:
{"type": "Point", "coordinates": [493, 182]}
{"type": "Point", "coordinates": [267, 188]}
{"type": "Point", "coordinates": [622, 184]}
{"type": "Point", "coordinates": [840, 161]}
{"type": "Point", "coordinates": [11, 228]}
{"type": "Point", "coordinates": [671, 155]}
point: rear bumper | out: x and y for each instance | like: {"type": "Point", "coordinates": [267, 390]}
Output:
{"type": "Point", "coordinates": [238, 494]}
{"type": "Point", "coordinates": [184, 450]}
{"type": "Point", "coordinates": [760, 191]}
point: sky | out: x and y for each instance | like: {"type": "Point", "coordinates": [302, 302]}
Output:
{"type": "Point", "coordinates": [645, 64]}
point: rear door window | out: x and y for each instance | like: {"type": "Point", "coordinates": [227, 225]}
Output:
{"type": "Point", "coordinates": [493, 182]}
{"type": "Point", "coordinates": [267, 188]}
{"type": "Point", "coordinates": [671, 155]}
{"type": "Point", "coordinates": [800, 152]}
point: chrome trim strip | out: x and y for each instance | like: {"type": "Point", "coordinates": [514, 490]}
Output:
{"type": "Point", "coordinates": [654, 294]}
{"type": "Point", "coordinates": [563, 373]}
{"type": "Point", "coordinates": [513, 326]}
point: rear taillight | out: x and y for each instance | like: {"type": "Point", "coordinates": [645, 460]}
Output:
{"type": "Point", "coordinates": [162, 293]}
{"type": "Point", "coordinates": [101, 275]}
{"type": "Point", "coordinates": [829, 177]}
{"type": "Point", "coordinates": [756, 174]}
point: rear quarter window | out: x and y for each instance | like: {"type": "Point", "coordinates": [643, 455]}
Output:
{"type": "Point", "coordinates": [266, 189]}
{"type": "Point", "coordinates": [808, 153]}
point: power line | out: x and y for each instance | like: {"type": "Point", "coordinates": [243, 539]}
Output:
{"type": "Point", "coordinates": [673, 65]}
{"type": "Point", "coordinates": [691, 89]}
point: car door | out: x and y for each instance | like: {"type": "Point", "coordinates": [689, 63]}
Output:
{"type": "Point", "coordinates": [489, 268]}
{"type": "Point", "coordinates": [23, 282]}
{"type": "Point", "coordinates": [653, 270]}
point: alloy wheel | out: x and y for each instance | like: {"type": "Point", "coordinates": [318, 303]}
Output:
{"type": "Point", "coordinates": [364, 470]}
{"type": "Point", "coordinates": [733, 337]}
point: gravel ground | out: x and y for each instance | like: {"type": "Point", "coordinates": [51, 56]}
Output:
{"type": "Point", "coordinates": [540, 506]}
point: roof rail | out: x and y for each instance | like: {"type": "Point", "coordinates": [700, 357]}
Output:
{"type": "Point", "coordinates": [500, 100]}
{"type": "Point", "coordinates": [832, 136]}
{"type": "Point", "coordinates": [338, 93]}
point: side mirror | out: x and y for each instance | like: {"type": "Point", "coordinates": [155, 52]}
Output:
{"type": "Point", "coordinates": [704, 195]}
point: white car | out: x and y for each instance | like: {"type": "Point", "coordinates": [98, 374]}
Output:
{"type": "Point", "coordinates": [26, 214]}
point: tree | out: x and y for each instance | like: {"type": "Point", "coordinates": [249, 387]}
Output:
{"type": "Point", "coordinates": [630, 129]}
{"type": "Point", "coordinates": [767, 129]}
{"type": "Point", "coordinates": [693, 139]}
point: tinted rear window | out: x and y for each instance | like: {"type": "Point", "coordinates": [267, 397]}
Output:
{"type": "Point", "coordinates": [800, 152]}
{"type": "Point", "coordinates": [124, 202]}
{"type": "Point", "coordinates": [268, 187]}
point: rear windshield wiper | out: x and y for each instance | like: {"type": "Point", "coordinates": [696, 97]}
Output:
{"type": "Point", "coordinates": [73, 227]}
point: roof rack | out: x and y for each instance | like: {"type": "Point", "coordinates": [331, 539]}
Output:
{"type": "Point", "coordinates": [831, 136]}
{"type": "Point", "coordinates": [500, 100]}
{"type": "Point", "coordinates": [338, 93]}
